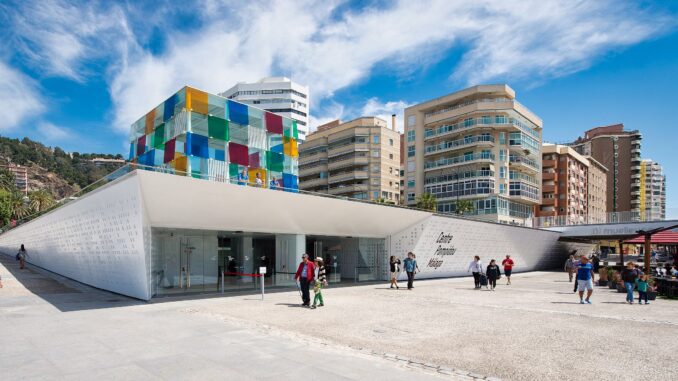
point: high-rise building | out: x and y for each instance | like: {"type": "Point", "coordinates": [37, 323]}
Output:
{"type": "Point", "coordinates": [278, 95]}
{"type": "Point", "coordinates": [479, 144]}
{"type": "Point", "coordinates": [20, 176]}
{"type": "Point", "coordinates": [597, 190]}
{"type": "Point", "coordinates": [357, 159]}
{"type": "Point", "coordinates": [564, 184]}
{"type": "Point", "coordinates": [619, 152]}
{"type": "Point", "coordinates": [206, 136]}
{"type": "Point", "coordinates": [652, 191]}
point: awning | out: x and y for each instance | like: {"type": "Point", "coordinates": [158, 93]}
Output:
{"type": "Point", "coordinates": [665, 237]}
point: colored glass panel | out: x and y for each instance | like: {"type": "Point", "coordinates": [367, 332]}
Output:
{"type": "Point", "coordinates": [159, 136]}
{"type": "Point", "coordinates": [274, 123]}
{"type": "Point", "coordinates": [141, 145]}
{"type": "Point", "coordinates": [256, 117]}
{"type": "Point", "coordinates": [275, 143]}
{"type": "Point", "coordinates": [287, 128]}
{"type": "Point", "coordinates": [132, 150]}
{"type": "Point", "coordinates": [170, 147]}
{"type": "Point", "coordinates": [181, 163]}
{"type": "Point", "coordinates": [290, 147]}
{"type": "Point", "coordinates": [256, 137]}
{"type": "Point", "coordinates": [238, 154]}
{"type": "Point", "coordinates": [199, 124]}
{"type": "Point", "coordinates": [217, 105]}
{"type": "Point", "coordinates": [199, 167]}
{"type": "Point", "coordinates": [238, 133]}
{"type": "Point", "coordinates": [295, 130]}
{"type": "Point", "coordinates": [196, 100]}
{"type": "Point", "coordinates": [290, 182]}
{"type": "Point", "coordinates": [150, 122]}
{"type": "Point", "coordinates": [291, 165]}
{"type": "Point", "coordinates": [237, 113]}
{"type": "Point", "coordinates": [168, 107]}
{"type": "Point", "coordinates": [252, 173]}
{"type": "Point", "coordinates": [274, 161]}
{"type": "Point", "coordinates": [233, 170]}
{"type": "Point", "coordinates": [196, 145]}
{"type": "Point", "coordinates": [217, 128]}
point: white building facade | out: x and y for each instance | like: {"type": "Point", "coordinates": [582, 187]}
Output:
{"type": "Point", "coordinates": [279, 95]}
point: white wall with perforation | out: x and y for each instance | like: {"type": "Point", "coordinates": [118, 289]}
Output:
{"type": "Point", "coordinates": [97, 240]}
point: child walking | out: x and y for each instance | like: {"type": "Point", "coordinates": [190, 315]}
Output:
{"type": "Point", "coordinates": [642, 285]}
{"type": "Point", "coordinates": [320, 281]}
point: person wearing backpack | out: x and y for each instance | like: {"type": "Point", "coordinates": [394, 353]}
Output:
{"type": "Point", "coordinates": [493, 273]}
{"type": "Point", "coordinates": [629, 275]}
{"type": "Point", "coordinates": [21, 257]}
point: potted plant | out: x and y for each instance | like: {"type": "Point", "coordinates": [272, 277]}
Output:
{"type": "Point", "coordinates": [602, 277]}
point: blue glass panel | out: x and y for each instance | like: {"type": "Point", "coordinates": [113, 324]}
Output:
{"type": "Point", "coordinates": [168, 109]}
{"type": "Point", "coordinates": [197, 145]}
{"type": "Point", "coordinates": [132, 151]}
{"type": "Point", "coordinates": [290, 182]}
{"type": "Point", "coordinates": [220, 154]}
{"type": "Point", "coordinates": [237, 112]}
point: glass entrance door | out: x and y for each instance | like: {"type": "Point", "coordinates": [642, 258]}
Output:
{"type": "Point", "coordinates": [192, 263]}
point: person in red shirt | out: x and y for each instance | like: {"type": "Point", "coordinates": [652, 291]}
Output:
{"type": "Point", "coordinates": [508, 268]}
{"type": "Point", "coordinates": [305, 274]}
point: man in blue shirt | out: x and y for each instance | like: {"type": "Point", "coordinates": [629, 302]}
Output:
{"type": "Point", "coordinates": [410, 265]}
{"type": "Point", "coordinates": [242, 178]}
{"type": "Point", "coordinates": [274, 183]}
{"type": "Point", "coordinates": [585, 278]}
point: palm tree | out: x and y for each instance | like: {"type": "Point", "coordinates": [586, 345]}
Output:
{"type": "Point", "coordinates": [427, 201]}
{"type": "Point", "coordinates": [19, 206]}
{"type": "Point", "coordinates": [464, 207]}
{"type": "Point", "coordinates": [40, 200]}
{"type": "Point", "coordinates": [7, 180]}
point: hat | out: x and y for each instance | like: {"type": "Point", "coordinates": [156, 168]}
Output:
{"type": "Point", "coordinates": [318, 258]}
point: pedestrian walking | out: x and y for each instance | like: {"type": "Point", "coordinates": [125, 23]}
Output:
{"type": "Point", "coordinates": [642, 284]}
{"type": "Point", "coordinates": [410, 268]}
{"type": "Point", "coordinates": [476, 268]}
{"type": "Point", "coordinates": [575, 268]}
{"type": "Point", "coordinates": [395, 270]}
{"type": "Point", "coordinates": [320, 282]}
{"type": "Point", "coordinates": [493, 273]}
{"type": "Point", "coordinates": [508, 268]}
{"type": "Point", "coordinates": [21, 256]}
{"type": "Point", "coordinates": [585, 280]}
{"type": "Point", "coordinates": [305, 273]}
{"type": "Point", "coordinates": [569, 267]}
{"type": "Point", "coordinates": [629, 275]}
{"type": "Point", "coordinates": [596, 263]}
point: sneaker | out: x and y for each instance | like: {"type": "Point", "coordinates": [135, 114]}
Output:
{"type": "Point", "coordinates": [588, 301]}
{"type": "Point", "coordinates": [313, 307]}
{"type": "Point", "coordinates": [320, 305]}
{"type": "Point", "coordinates": [581, 302]}
{"type": "Point", "coordinates": [646, 303]}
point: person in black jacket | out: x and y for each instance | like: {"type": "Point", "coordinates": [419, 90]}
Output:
{"type": "Point", "coordinates": [493, 273]}
{"type": "Point", "coordinates": [395, 270]}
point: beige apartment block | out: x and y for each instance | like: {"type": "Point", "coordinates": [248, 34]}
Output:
{"type": "Point", "coordinates": [652, 191]}
{"type": "Point", "coordinates": [597, 189]}
{"type": "Point", "coordinates": [357, 159]}
{"type": "Point", "coordinates": [479, 144]}
{"type": "Point", "coordinates": [619, 151]}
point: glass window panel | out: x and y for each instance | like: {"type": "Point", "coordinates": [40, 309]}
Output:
{"type": "Point", "coordinates": [216, 106]}
{"type": "Point", "coordinates": [274, 161]}
{"type": "Point", "coordinates": [181, 163]}
{"type": "Point", "coordinates": [257, 158]}
{"type": "Point", "coordinates": [150, 120]}
{"type": "Point", "coordinates": [259, 173]}
{"type": "Point", "coordinates": [290, 147]}
{"type": "Point", "coordinates": [257, 137]}
{"type": "Point", "coordinates": [237, 113]}
{"type": "Point", "coordinates": [169, 150]}
{"type": "Point", "coordinates": [256, 117]}
{"type": "Point", "coordinates": [238, 133]}
{"type": "Point", "coordinates": [287, 127]}
{"type": "Point", "coordinates": [141, 145]}
{"type": "Point", "coordinates": [290, 182]}
{"type": "Point", "coordinates": [274, 123]}
{"type": "Point", "coordinates": [159, 136]}
{"type": "Point", "coordinates": [291, 165]}
{"type": "Point", "coordinates": [196, 100]}
{"type": "Point", "coordinates": [217, 128]}
{"type": "Point", "coordinates": [199, 124]}
{"type": "Point", "coordinates": [238, 153]}
{"type": "Point", "coordinates": [197, 145]}
{"type": "Point", "coordinates": [168, 107]}
{"type": "Point", "coordinates": [275, 143]}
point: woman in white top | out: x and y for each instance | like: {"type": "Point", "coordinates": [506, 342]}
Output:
{"type": "Point", "coordinates": [476, 267]}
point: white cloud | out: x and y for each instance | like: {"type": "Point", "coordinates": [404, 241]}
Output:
{"type": "Point", "coordinates": [19, 97]}
{"type": "Point", "coordinates": [384, 110]}
{"type": "Point", "coordinates": [53, 133]}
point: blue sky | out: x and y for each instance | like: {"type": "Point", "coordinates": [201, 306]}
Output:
{"type": "Point", "coordinates": [77, 74]}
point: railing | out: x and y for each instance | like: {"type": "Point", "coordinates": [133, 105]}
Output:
{"type": "Point", "coordinates": [472, 122]}
{"type": "Point", "coordinates": [523, 160]}
{"type": "Point", "coordinates": [609, 218]}
{"type": "Point", "coordinates": [454, 177]}
{"type": "Point", "coordinates": [468, 103]}
{"type": "Point", "coordinates": [459, 143]}
{"type": "Point", "coordinates": [458, 160]}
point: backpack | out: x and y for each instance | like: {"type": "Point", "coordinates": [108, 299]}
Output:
{"type": "Point", "coordinates": [18, 256]}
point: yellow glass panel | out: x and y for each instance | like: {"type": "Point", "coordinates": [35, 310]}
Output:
{"type": "Point", "coordinates": [150, 122]}
{"type": "Point", "coordinates": [196, 100]}
{"type": "Point", "coordinates": [290, 147]}
{"type": "Point", "coordinates": [181, 163]}
{"type": "Point", "coordinates": [252, 173]}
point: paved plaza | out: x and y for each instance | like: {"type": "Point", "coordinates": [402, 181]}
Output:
{"type": "Point", "coordinates": [54, 328]}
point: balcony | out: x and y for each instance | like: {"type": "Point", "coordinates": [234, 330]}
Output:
{"type": "Point", "coordinates": [458, 160]}
{"type": "Point", "coordinates": [313, 170]}
{"type": "Point", "coordinates": [467, 124]}
{"type": "Point", "coordinates": [347, 176]}
{"type": "Point", "coordinates": [549, 176]}
{"type": "Point", "coordinates": [312, 183]}
{"type": "Point", "coordinates": [524, 162]}
{"type": "Point", "coordinates": [347, 148]}
{"type": "Point", "coordinates": [348, 189]}
{"type": "Point", "coordinates": [480, 140]}
{"type": "Point", "coordinates": [348, 162]}
{"type": "Point", "coordinates": [548, 201]}
{"type": "Point", "coordinates": [549, 163]}
{"type": "Point", "coordinates": [548, 188]}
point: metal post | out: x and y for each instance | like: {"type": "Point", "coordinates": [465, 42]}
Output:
{"type": "Point", "coordinates": [621, 253]}
{"type": "Point", "coordinates": [648, 249]}
{"type": "Point", "coordinates": [262, 287]}
{"type": "Point", "coordinates": [223, 275]}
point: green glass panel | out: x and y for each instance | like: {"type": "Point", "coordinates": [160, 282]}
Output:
{"type": "Point", "coordinates": [274, 161]}
{"type": "Point", "coordinates": [159, 136]}
{"type": "Point", "coordinates": [295, 131]}
{"type": "Point", "coordinates": [233, 171]}
{"type": "Point", "coordinates": [218, 128]}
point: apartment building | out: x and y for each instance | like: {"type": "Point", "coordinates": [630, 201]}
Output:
{"type": "Point", "coordinates": [564, 184]}
{"type": "Point", "coordinates": [20, 173]}
{"type": "Point", "coordinates": [619, 151]}
{"type": "Point", "coordinates": [278, 95]}
{"type": "Point", "coordinates": [479, 144]}
{"type": "Point", "coordinates": [597, 191]}
{"type": "Point", "coordinates": [357, 159]}
{"type": "Point", "coordinates": [652, 191]}
{"type": "Point", "coordinates": [402, 168]}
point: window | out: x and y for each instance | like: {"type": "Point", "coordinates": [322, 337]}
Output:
{"type": "Point", "coordinates": [502, 138]}
{"type": "Point", "coordinates": [502, 172]}
{"type": "Point", "coordinates": [390, 170]}
{"type": "Point", "coordinates": [375, 139]}
{"type": "Point", "coordinates": [410, 196]}
{"type": "Point", "coordinates": [410, 182]}
{"type": "Point", "coordinates": [375, 153]}
{"type": "Point", "coordinates": [502, 155]}
{"type": "Point", "coordinates": [376, 182]}
{"type": "Point", "coordinates": [375, 194]}
{"type": "Point", "coordinates": [390, 142]}
{"type": "Point", "coordinates": [390, 156]}
{"type": "Point", "coordinates": [410, 136]}
{"type": "Point", "coordinates": [411, 120]}
{"type": "Point", "coordinates": [502, 188]}
{"type": "Point", "coordinates": [410, 166]}
{"type": "Point", "coordinates": [376, 168]}
{"type": "Point", "coordinates": [410, 151]}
